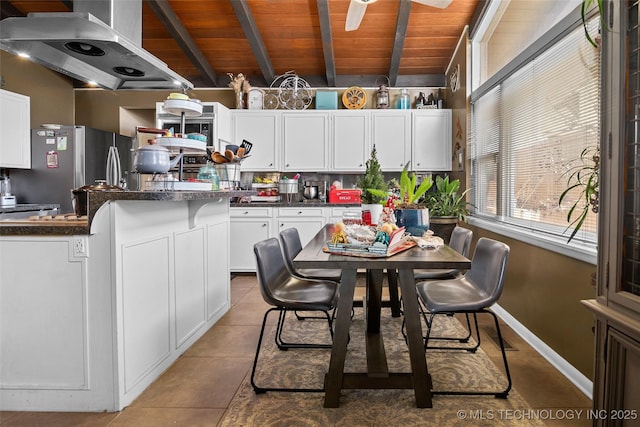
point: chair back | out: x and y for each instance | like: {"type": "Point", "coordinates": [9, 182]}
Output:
{"type": "Point", "coordinates": [271, 270]}
{"type": "Point", "coordinates": [461, 240]}
{"type": "Point", "coordinates": [488, 267]}
{"type": "Point", "coordinates": [291, 246]}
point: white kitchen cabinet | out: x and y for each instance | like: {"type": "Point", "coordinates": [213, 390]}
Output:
{"type": "Point", "coordinates": [391, 135]}
{"type": "Point", "coordinates": [431, 140]}
{"type": "Point", "coordinates": [248, 226]}
{"type": "Point", "coordinates": [262, 129]}
{"type": "Point", "coordinates": [15, 137]}
{"type": "Point", "coordinates": [350, 140]}
{"type": "Point", "coordinates": [308, 221]}
{"type": "Point", "coordinates": [305, 139]}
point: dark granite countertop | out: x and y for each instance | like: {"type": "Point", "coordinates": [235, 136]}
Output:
{"type": "Point", "coordinates": [24, 207]}
{"type": "Point", "coordinates": [82, 225]}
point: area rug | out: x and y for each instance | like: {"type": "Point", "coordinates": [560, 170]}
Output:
{"type": "Point", "coordinates": [306, 368]}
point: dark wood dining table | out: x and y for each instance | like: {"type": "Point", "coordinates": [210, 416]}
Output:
{"type": "Point", "coordinates": [377, 375]}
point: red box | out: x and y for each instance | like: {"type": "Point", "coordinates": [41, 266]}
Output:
{"type": "Point", "coordinates": [344, 196]}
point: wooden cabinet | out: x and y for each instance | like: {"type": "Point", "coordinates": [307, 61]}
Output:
{"type": "Point", "coordinates": [262, 129]}
{"type": "Point", "coordinates": [391, 135]}
{"type": "Point", "coordinates": [248, 226]}
{"type": "Point", "coordinates": [431, 140]}
{"type": "Point", "coordinates": [15, 137]}
{"type": "Point", "coordinates": [617, 303]}
{"type": "Point", "coordinates": [305, 137]}
{"type": "Point", "coordinates": [350, 147]}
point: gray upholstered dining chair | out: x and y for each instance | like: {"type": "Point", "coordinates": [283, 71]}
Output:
{"type": "Point", "coordinates": [285, 292]}
{"type": "Point", "coordinates": [472, 293]}
{"type": "Point", "coordinates": [291, 246]}
{"type": "Point", "coordinates": [460, 241]}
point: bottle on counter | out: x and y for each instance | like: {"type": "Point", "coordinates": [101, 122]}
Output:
{"type": "Point", "coordinates": [209, 173]}
{"type": "Point", "coordinates": [440, 100]}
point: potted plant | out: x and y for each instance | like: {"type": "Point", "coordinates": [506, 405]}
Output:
{"type": "Point", "coordinates": [411, 214]}
{"type": "Point", "coordinates": [585, 179]}
{"type": "Point", "coordinates": [446, 206]}
{"type": "Point", "coordinates": [375, 189]}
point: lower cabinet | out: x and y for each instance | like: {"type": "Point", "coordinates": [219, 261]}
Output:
{"type": "Point", "coordinates": [308, 221]}
{"type": "Point", "coordinates": [248, 226]}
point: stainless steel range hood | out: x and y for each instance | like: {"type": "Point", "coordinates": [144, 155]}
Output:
{"type": "Point", "coordinates": [100, 41]}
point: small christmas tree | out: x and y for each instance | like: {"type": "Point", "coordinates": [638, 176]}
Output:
{"type": "Point", "coordinates": [374, 187]}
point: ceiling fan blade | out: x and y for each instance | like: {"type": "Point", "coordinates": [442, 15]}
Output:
{"type": "Point", "coordinates": [440, 4]}
{"type": "Point", "coordinates": [354, 15]}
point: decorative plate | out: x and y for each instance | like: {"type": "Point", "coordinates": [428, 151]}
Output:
{"type": "Point", "coordinates": [354, 98]}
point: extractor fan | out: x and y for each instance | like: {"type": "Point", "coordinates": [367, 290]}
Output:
{"type": "Point", "coordinates": [358, 7]}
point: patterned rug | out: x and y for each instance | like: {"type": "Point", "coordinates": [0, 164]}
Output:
{"type": "Point", "coordinates": [449, 370]}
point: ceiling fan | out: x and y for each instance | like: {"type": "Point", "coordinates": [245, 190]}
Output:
{"type": "Point", "coordinates": [358, 7]}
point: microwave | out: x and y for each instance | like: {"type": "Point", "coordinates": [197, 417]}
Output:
{"type": "Point", "coordinates": [202, 124]}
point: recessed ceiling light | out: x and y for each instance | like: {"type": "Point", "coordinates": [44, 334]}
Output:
{"type": "Point", "coordinates": [24, 55]}
{"type": "Point", "coordinates": [92, 83]}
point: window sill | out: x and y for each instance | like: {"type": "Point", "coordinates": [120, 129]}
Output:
{"type": "Point", "coordinates": [588, 254]}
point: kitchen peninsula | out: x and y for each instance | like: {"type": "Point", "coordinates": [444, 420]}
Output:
{"type": "Point", "coordinates": [93, 312]}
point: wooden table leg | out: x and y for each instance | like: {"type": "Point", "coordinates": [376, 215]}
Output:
{"type": "Point", "coordinates": [421, 380]}
{"type": "Point", "coordinates": [394, 298]}
{"type": "Point", "coordinates": [374, 300]}
{"type": "Point", "coordinates": [333, 380]}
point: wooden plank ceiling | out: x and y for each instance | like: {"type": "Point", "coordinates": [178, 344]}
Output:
{"type": "Point", "coordinates": [203, 40]}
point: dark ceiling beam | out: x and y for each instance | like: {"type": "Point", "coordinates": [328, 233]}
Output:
{"type": "Point", "coordinates": [327, 41]}
{"type": "Point", "coordinates": [68, 4]}
{"type": "Point", "coordinates": [8, 10]}
{"type": "Point", "coordinates": [172, 23]}
{"type": "Point", "coordinates": [250, 29]}
{"type": "Point", "coordinates": [398, 42]}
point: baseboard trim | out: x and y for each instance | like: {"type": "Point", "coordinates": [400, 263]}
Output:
{"type": "Point", "coordinates": [572, 374]}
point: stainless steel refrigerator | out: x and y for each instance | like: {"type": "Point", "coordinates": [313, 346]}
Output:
{"type": "Point", "coordinates": [67, 158]}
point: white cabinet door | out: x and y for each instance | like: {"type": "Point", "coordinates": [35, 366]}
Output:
{"type": "Point", "coordinates": [244, 233]}
{"type": "Point", "coordinates": [431, 140]}
{"type": "Point", "coordinates": [308, 221]}
{"type": "Point", "coordinates": [218, 292]}
{"type": "Point", "coordinates": [350, 140]}
{"type": "Point", "coordinates": [15, 137]}
{"type": "Point", "coordinates": [307, 227]}
{"type": "Point", "coordinates": [391, 135]}
{"type": "Point", "coordinates": [262, 129]}
{"type": "Point", "coordinates": [305, 138]}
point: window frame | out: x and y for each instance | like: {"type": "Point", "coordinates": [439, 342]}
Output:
{"type": "Point", "coordinates": [547, 236]}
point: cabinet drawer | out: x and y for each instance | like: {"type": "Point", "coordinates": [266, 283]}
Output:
{"type": "Point", "coordinates": [300, 212]}
{"type": "Point", "coordinates": [337, 212]}
{"type": "Point", "coordinates": [251, 212]}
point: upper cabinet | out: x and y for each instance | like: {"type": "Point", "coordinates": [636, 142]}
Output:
{"type": "Point", "coordinates": [350, 140]}
{"type": "Point", "coordinates": [305, 136]}
{"type": "Point", "coordinates": [391, 134]}
{"type": "Point", "coordinates": [262, 129]}
{"type": "Point", "coordinates": [15, 138]}
{"type": "Point", "coordinates": [431, 140]}
{"type": "Point", "coordinates": [341, 140]}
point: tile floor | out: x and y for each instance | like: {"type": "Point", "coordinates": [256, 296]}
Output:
{"type": "Point", "coordinates": [197, 388]}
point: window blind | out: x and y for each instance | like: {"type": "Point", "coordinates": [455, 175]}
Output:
{"type": "Point", "coordinates": [528, 134]}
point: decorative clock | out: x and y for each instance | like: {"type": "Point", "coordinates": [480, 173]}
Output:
{"type": "Point", "coordinates": [354, 98]}
{"type": "Point", "coordinates": [255, 99]}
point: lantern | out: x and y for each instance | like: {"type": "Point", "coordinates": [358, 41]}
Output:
{"type": "Point", "coordinates": [382, 97]}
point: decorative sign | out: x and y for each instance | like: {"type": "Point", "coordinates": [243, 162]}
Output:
{"type": "Point", "coordinates": [52, 159]}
